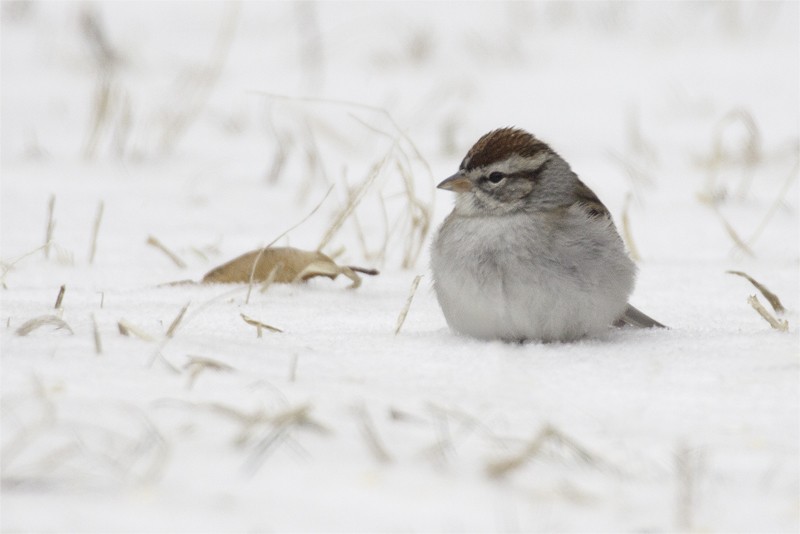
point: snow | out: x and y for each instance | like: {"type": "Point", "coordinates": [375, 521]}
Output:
{"type": "Point", "coordinates": [338, 424]}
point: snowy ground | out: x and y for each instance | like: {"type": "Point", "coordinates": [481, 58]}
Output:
{"type": "Point", "coordinates": [159, 112]}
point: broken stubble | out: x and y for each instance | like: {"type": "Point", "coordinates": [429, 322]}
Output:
{"type": "Point", "coordinates": [404, 312]}
{"type": "Point", "coordinates": [370, 434]}
{"type": "Point", "coordinates": [51, 224]}
{"type": "Point", "coordinates": [782, 325]}
{"type": "Point", "coordinates": [549, 433]}
{"type": "Point", "coordinates": [259, 325]}
{"type": "Point", "coordinates": [95, 231]}
{"type": "Point", "coordinates": [176, 322]}
{"type": "Point", "coordinates": [771, 297]}
{"type": "Point", "coordinates": [60, 297]}
{"type": "Point", "coordinates": [98, 344]}
{"type": "Point", "coordinates": [198, 364]}
{"type": "Point", "coordinates": [153, 241]}
{"type": "Point", "coordinates": [626, 230]}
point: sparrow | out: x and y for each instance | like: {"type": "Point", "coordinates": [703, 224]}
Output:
{"type": "Point", "coordinates": [529, 253]}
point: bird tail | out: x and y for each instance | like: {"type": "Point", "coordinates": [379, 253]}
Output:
{"type": "Point", "coordinates": [637, 319]}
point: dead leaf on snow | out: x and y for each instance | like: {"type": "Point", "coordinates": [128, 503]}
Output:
{"type": "Point", "coordinates": [282, 265]}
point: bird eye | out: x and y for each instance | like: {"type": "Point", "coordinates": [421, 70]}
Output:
{"type": "Point", "coordinates": [496, 177]}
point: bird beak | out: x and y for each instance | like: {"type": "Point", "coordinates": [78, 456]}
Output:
{"type": "Point", "coordinates": [458, 183]}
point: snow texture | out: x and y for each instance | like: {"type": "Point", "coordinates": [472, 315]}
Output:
{"type": "Point", "coordinates": [167, 114]}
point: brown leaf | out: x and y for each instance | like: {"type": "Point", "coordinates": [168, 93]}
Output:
{"type": "Point", "coordinates": [282, 265]}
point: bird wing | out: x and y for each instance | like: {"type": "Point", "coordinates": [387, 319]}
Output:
{"type": "Point", "coordinates": [586, 198]}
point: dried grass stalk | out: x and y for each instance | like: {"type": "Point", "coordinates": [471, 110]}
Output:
{"type": "Point", "coordinates": [7, 266]}
{"type": "Point", "coordinates": [404, 312]}
{"type": "Point", "coordinates": [285, 232]}
{"type": "Point", "coordinates": [748, 155]}
{"type": "Point", "coordinates": [549, 433]}
{"type": "Point", "coordinates": [771, 297]}
{"type": "Point", "coordinates": [51, 225]}
{"type": "Point", "coordinates": [127, 329]}
{"type": "Point", "coordinates": [782, 325]}
{"type": "Point", "coordinates": [259, 325]}
{"type": "Point", "coordinates": [779, 199]}
{"type": "Point", "coordinates": [737, 240]}
{"type": "Point", "coordinates": [626, 230]}
{"type": "Point", "coordinates": [370, 434]}
{"type": "Point", "coordinates": [60, 297]}
{"type": "Point", "coordinates": [198, 364]}
{"type": "Point", "coordinates": [353, 202]}
{"type": "Point", "coordinates": [38, 322]}
{"type": "Point", "coordinates": [98, 344]}
{"type": "Point", "coordinates": [271, 277]}
{"type": "Point", "coordinates": [151, 240]}
{"type": "Point", "coordinates": [177, 321]}
{"type": "Point", "coordinates": [95, 231]}
{"type": "Point", "coordinates": [193, 89]}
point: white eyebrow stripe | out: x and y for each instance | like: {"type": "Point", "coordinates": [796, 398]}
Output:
{"type": "Point", "coordinates": [513, 164]}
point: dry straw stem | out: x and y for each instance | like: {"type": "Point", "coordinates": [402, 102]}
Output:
{"type": "Point", "coordinates": [637, 143]}
{"type": "Point", "coordinates": [176, 322]}
{"type": "Point", "coordinates": [771, 297]}
{"type": "Point", "coordinates": [353, 201]}
{"type": "Point", "coordinates": [782, 325]}
{"type": "Point", "coordinates": [98, 345]}
{"type": "Point", "coordinates": [6, 266]}
{"type": "Point", "coordinates": [404, 312]}
{"type": "Point", "coordinates": [737, 240]}
{"type": "Point", "coordinates": [151, 240]}
{"type": "Point", "coordinates": [636, 172]}
{"type": "Point", "coordinates": [101, 112]}
{"type": "Point", "coordinates": [106, 96]}
{"type": "Point", "coordinates": [271, 276]}
{"type": "Point", "coordinates": [358, 105]}
{"type": "Point", "coordinates": [127, 329]}
{"type": "Point", "coordinates": [259, 325]}
{"type": "Point", "coordinates": [419, 212]}
{"type": "Point", "coordinates": [83, 447]}
{"type": "Point", "coordinates": [285, 232]}
{"type": "Point", "coordinates": [748, 157]}
{"type": "Point", "coordinates": [282, 425]}
{"type": "Point", "coordinates": [44, 320]}
{"type": "Point", "coordinates": [791, 177]}
{"type": "Point", "coordinates": [95, 231]}
{"type": "Point", "coordinates": [500, 468]}
{"type": "Point", "coordinates": [193, 89]}
{"type": "Point", "coordinates": [626, 230]}
{"type": "Point", "coordinates": [452, 425]}
{"type": "Point", "coordinates": [60, 297]}
{"type": "Point", "coordinates": [198, 364]}
{"type": "Point", "coordinates": [51, 225]}
{"type": "Point", "coordinates": [420, 215]}
{"type": "Point", "coordinates": [370, 434]}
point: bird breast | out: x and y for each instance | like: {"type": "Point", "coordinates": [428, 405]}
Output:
{"type": "Point", "coordinates": [524, 276]}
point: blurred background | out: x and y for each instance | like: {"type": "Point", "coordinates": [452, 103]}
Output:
{"type": "Point", "coordinates": [293, 97]}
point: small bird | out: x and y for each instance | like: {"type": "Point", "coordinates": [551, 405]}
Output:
{"type": "Point", "coordinates": [529, 252]}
